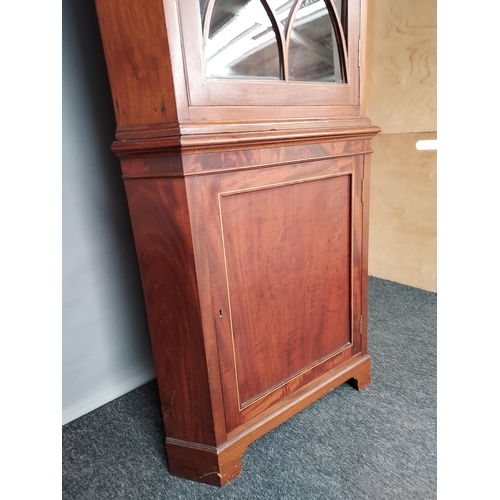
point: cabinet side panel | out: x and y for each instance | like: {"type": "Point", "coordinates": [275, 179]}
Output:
{"type": "Point", "coordinates": [137, 54]}
{"type": "Point", "coordinates": [160, 220]}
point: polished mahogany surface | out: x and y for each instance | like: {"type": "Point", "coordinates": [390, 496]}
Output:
{"type": "Point", "coordinates": [158, 209]}
{"type": "Point", "coordinates": [288, 261]}
{"type": "Point", "coordinates": [248, 194]}
{"type": "Point", "coordinates": [285, 270]}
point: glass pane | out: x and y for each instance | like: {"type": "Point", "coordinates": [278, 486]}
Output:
{"type": "Point", "coordinates": [203, 9]}
{"type": "Point", "coordinates": [242, 41]}
{"type": "Point", "coordinates": [282, 9]}
{"type": "Point", "coordinates": [314, 53]}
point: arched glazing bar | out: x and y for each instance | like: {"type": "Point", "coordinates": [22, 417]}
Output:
{"type": "Point", "coordinates": [243, 39]}
{"type": "Point", "coordinates": [315, 43]}
{"type": "Point", "coordinates": [301, 40]}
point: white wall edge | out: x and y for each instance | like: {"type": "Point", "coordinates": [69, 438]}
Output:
{"type": "Point", "coordinates": [76, 411]}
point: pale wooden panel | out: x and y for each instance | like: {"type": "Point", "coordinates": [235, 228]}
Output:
{"type": "Point", "coordinates": [403, 203]}
{"type": "Point", "coordinates": [401, 65]}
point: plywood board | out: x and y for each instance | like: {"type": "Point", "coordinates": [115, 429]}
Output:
{"type": "Point", "coordinates": [403, 203]}
{"type": "Point", "coordinates": [401, 65]}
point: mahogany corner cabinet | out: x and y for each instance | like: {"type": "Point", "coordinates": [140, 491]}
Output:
{"type": "Point", "coordinates": [245, 155]}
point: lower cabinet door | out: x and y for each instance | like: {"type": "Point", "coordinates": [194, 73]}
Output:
{"type": "Point", "coordinates": [284, 252]}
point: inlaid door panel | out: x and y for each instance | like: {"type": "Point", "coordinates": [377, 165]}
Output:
{"type": "Point", "coordinates": [284, 247]}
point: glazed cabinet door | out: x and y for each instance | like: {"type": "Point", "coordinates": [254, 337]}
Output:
{"type": "Point", "coordinates": [283, 246]}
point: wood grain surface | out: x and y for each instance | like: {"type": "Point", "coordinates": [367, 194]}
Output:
{"type": "Point", "coordinates": [403, 228]}
{"type": "Point", "coordinates": [246, 201]}
{"type": "Point", "coordinates": [288, 259]}
{"type": "Point", "coordinates": [401, 58]}
{"type": "Point", "coordinates": [160, 220]}
{"type": "Point", "coordinates": [137, 55]}
{"type": "Point", "coordinates": [208, 222]}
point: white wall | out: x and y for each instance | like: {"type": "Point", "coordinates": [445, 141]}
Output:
{"type": "Point", "coordinates": [106, 347]}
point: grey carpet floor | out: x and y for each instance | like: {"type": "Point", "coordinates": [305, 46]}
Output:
{"type": "Point", "coordinates": [379, 443]}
